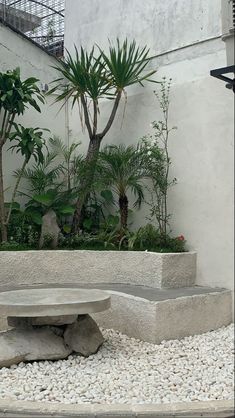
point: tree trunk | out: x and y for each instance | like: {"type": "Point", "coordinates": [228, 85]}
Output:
{"type": "Point", "coordinates": [86, 182]}
{"type": "Point", "coordinates": [15, 191]}
{"type": "Point", "coordinates": [92, 154]}
{"type": "Point", "coordinates": [2, 207]}
{"type": "Point", "coordinates": [123, 205]}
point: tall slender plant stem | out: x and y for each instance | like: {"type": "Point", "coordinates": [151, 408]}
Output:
{"type": "Point", "coordinates": [113, 114]}
{"type": "Point", "coordinates": [15, 191]}
{"type": "Point", "coordinates": [86, 115]}
{"type": "Point", "coordinates": [2, 207]}
{"type": "Point", "coordinates": [8, 119]}
{"type": "Point", "coordinates": [95, 118]}
{"type": "Point", "coordinates": [5, 128]}
{"type": "Point", "coordinates": [167, 171]}
{"type": "Point", "coordinates": [3, 125]}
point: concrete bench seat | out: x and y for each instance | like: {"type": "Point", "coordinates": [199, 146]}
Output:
{"type": "Point", "coordinates": [153, 315]}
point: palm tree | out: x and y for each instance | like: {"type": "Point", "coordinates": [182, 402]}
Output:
{"type": "Point", "coordinates": [120, 169]}
{"type": "Point", "coordinates": [90, 77]}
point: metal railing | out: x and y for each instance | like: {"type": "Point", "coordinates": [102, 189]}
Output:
{"type": "Point", "coordinates": [42, 21]}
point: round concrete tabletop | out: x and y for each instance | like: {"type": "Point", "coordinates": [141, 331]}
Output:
{"type": "Point", "coordinates": [53, 302]}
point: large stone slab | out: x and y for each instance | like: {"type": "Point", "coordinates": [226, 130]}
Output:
{"type": "Point", "coordinates": [52, 302]}
{"type": "Point", "coordinates": [130, 267]}
{"type": "Point", "coordinates": [31, 344]}
{"type": "Point", "coordinates": [84, 336]}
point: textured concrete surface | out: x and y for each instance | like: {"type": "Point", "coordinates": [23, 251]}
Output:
{"type": "Point", "coordinates": [153, 294]}
{"type": "Point", "coordinates": [170, 319]}
{"type": "Point", "coordinates": [22, 409]}
{"type": "Point", "coordinates": [130, 267]}
{"type": "Point", "coordinates": [52, 302]}
{"type": "Point", "coordinates": [178, 270]}
{"type": "Point", "coordinates": [156, 314]}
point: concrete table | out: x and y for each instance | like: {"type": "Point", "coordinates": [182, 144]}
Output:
{"type": "Point", "coordinates": [50, 323]}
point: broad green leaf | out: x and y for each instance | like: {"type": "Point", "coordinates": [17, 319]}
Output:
{"type": "Point", "coordinates": [107, 195]}
{"type": "Point", "coordinates": [112, 220]}
{"type": "Point", "coordinates": [87, 223]}
{"type": "Point", "coordinates": [66, 210]}
{"type": "Point", "coordinates": [14, 205]}
{"type": "Point", "coordinates": [35, 216]}
{"type": "Point", "coordinates": [46, 199]}
{"type": "Point", "coordinates": [67, 229]}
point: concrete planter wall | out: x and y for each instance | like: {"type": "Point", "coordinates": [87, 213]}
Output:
{"type": "Point", "coordinates": [154, 321]}
{"type": "Point", "coordinates": [130, 267]}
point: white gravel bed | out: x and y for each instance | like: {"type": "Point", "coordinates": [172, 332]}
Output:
{"type": "Point", "coordinates": [126, 370]}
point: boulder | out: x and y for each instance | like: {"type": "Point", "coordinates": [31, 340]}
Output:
{"type": "Point", "coordinates": [54, 320]}
{"type": "Point", "coordinates": [83, 336]}
{"type": "Point", "coordinates": [19, 345]}
{"type": "Point", "coordinates": [50, 230]}
{"type": "Point", "coordinates": [18, 322]}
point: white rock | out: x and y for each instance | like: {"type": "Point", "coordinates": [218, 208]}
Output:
{"type": "Point", "coordinates": [122, 372]}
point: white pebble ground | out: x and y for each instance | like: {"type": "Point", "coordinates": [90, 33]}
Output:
{"type": "Point", "coordinates": [126, 370]}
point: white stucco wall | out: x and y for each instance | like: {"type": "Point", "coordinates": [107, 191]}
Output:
{"type": "Point", "coordinates": [186, 36]}
{"type": "Point", "coordinates": [162, 25]}
{"type": "Point", "coordinates": [16, 51]}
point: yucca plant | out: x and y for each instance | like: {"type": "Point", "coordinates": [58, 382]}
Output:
{"type": "Point", "coordinates": [87, 78]}
{"type": "Point", "coordinates": [120, 169]}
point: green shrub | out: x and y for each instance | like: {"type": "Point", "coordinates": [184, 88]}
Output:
{"type": "Point", "coordinates": [149, 238]}
{"type": "Point", "coordinates": [22, 230]}
{"type": "Point", "coordinates": [14, 246]}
